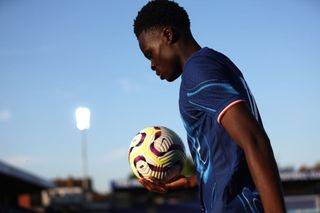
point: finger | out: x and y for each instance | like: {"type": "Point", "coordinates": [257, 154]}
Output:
{"type": "Point", "coordinates": [153, 187]}
{"type": "Point", "coordinates": [156, 181]}
{"type": "Point", "coordinates": [177, 178]}
{"type": "Point", "coordinates": [144, 182]}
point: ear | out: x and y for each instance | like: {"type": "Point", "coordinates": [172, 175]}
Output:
{"type": "Point", "coordinates": [170, 34]}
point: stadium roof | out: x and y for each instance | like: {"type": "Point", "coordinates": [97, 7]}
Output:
{"type": "Point", "coordinates": [15, 181]}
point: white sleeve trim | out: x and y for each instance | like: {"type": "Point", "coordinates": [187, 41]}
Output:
{"type": "Point", "coordinates": [226, 109]}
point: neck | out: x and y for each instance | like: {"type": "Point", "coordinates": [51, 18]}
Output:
{"type": "Point", "coordinates": [187, 48]}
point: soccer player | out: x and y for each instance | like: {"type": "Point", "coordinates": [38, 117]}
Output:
{"type": "Point", "coordinates": [236, 169]}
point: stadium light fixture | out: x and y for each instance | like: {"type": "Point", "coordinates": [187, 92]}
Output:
{"type": "Point", "coordinates": [83, 118]}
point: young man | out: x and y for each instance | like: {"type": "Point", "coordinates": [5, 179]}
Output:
{"type": "Point", "coordinates": [229, 146]}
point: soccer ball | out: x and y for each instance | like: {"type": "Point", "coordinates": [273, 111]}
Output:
{"type": "Point", "coordinates": [157, 152]}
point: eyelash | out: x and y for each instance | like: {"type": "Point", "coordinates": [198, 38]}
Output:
{"type": "Point", "coordinates": [149, 56]}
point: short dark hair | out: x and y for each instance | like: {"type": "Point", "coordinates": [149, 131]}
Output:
{"type": "Point", "coordinates": [161, 13]}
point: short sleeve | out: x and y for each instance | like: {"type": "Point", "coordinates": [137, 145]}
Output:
{"type": "Point", "coordinates": [210, 88]}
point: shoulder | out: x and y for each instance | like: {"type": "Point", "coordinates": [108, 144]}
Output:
{"type": "Point", "coordinates": [204, 65]}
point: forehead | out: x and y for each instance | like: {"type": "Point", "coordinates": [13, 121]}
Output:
{"type": "Point", "coordinates": [149, 38]}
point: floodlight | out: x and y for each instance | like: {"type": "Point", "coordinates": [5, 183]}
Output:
{"type": "Point", "coordinates": [83, 118]}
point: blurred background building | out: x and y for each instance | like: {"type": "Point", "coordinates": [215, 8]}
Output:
{"type": "Point", "coordinates": [20, 191]}
{"type": "Point", "coordinates": [24, 192]}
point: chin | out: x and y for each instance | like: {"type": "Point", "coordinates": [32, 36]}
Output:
{"type": "Point", "coordinates": [171, 79]}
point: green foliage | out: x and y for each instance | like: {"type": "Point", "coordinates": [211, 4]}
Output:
{"type": "Point", "coordinates": [189, 169]}
{"type": "Point", "coordinates": [305, 168]}
{"type": "Point", "coordinates": [131, 176]}
{"type": "Point", "coordinates": [317, 167]}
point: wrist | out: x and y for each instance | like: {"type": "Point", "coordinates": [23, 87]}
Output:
{"type": "Point", "coordinates": [188, 182]}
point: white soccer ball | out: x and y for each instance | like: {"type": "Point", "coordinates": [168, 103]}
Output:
{"type": "Point", "coordinates": [157, 152]}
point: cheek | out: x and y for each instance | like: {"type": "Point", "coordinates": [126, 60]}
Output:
{"type": "Point", "coordinates": [167, 66]}
{"type": "Point", "coordinates": [173, 62]}
{"type": "Point", "coordinates": [168, 59]}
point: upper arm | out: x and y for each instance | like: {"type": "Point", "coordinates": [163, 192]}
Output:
{"type": "Point", "coordinates": [242, 126]}
{"type": "Point", "coordinates": [244, 129]}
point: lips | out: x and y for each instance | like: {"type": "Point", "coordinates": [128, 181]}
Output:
{"type": "Point", "coordinates": [160, 76]}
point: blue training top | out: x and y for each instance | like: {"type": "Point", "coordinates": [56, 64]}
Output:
{"type": "Point", "coordinates": [210, 85]}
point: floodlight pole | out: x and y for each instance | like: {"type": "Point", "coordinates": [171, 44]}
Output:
{"type": "Point", "coordinates": [83, 124]}
{"type": "Point", "coordinates": [85, 179]}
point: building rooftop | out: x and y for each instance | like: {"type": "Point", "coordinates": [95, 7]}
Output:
{"type": "Point", "coordinates": [14, 180]}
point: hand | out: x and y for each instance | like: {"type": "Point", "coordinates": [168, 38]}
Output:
{"type": "Point", "coordinates": [154, 185]}
{"type": "Point", "coordinates": [181, 182]}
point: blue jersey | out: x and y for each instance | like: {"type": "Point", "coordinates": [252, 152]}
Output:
{"type": "Point", "coordinates": [210, 85]}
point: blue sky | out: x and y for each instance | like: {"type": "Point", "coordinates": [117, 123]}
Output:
{"type": "Point", "coordinates": [58, 55]}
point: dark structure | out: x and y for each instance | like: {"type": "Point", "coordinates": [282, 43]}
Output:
{"type": "Point", "coordinates": [301, 189]}
{"type": "Point", "coordinates": [301, 183]}
{"type": "Point", "coordinates": [19, 190]}
{"type": "Point", "coordinates": [130, 196]}
{"type": "Point", "coordinates": [70, 196]}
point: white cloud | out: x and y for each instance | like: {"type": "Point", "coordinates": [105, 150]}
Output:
{"type": "Point", "coordinates": [5, 115]}
{"type": "Point", "coordinates": [128, 85]}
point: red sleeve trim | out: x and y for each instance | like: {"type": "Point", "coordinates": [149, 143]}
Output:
{"type": "Point", "coordinates": [226, 109]}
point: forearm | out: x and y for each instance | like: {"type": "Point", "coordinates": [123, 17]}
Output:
{"type": "Point", "coordinates": [265, 174]}
{"type": "Point", "coordinates": [183, 183]}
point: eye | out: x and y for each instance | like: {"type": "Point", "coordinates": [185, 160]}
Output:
{"type": "Point", "coordinates": [148, 55]}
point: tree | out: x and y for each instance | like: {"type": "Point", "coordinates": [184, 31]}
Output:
{"type": "Point", "coordinates": [189, 169]}
{"type": "Point", "coordinates": [316, 167]}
